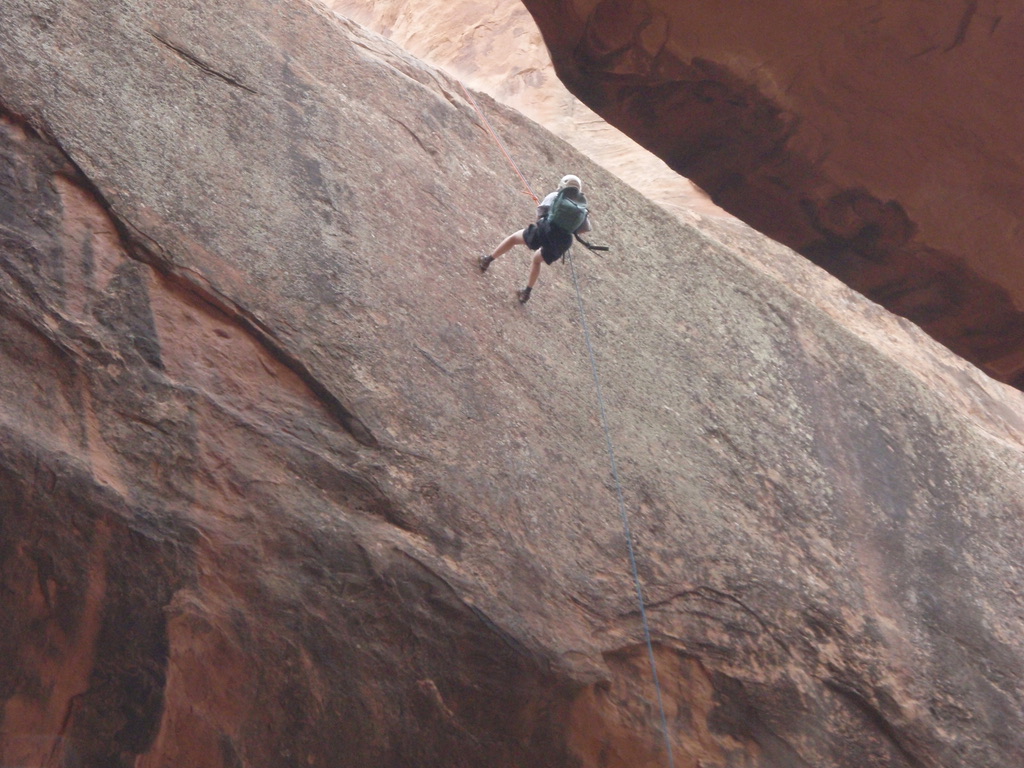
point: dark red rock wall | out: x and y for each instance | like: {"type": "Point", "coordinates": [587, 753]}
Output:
{"type": "Point", "coordinates": [881, 141]}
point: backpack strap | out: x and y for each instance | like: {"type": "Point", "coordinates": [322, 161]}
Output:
{"type": "Point", "coordinates": [590, 246]}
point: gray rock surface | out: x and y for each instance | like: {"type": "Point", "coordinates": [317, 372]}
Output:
{"type": "Point", "coordinates": [286, 481]}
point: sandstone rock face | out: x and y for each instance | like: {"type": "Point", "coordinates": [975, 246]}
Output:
{"type": "Point", "coordinates": [496, 47]}
{"type": "Point", "coordinates": [881, 140]}
{"type": "Point", "coordinates": [285, 481]}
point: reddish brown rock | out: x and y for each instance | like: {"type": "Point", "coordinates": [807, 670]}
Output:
{"type": "Point", "coordinates": [882, 141]}
{"type": "Point", "coordinates": [284, 480]}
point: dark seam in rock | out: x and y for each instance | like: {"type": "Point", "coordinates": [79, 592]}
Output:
{"type": "Point", "coordinates": [515, 645]}
{"type": "Point", "coordinates": [591, 610]}
{"type": "Point", "coordinates": [136, 249]}
{"type": "Point", "coordinates": [251, 324]}
{"type": "Point", "coordinates": [433, 360]}
{"type": "Point", "coordinates": [202, 65]}
{"type": "Point", "coordinates": [9, 113]}
{"type": "Point", "coordinates": [266, 339]}
{"type": "Point", "coordinates": [710, 593]}
{"type": "Point", "coordinates": [866, 708]}
{"type": "Point", "coordinates": [965, 23]}
{"type": "Point", "coordinates": [430, 151]}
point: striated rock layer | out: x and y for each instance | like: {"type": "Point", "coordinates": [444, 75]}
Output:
{"type": "Point", "coordinates": [285, 481]}
{"type": "Point", "coordinates": [881, 140]}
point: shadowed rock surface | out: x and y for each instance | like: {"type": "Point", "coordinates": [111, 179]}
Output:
{"type": "Point", "coordinates": [285, 481]}
{"type": "Point", "coordinates": [881, 140]}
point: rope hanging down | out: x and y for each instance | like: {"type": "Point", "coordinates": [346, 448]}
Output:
{"type": "Point", "coordinates": [608, 444]}
{"type": "Point", "coordinates": [624, 515]}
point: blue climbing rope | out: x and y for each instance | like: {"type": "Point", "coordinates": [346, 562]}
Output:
{"type": "Point", "coordinates": [627, 530]}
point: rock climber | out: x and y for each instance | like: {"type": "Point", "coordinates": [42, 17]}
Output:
{"type": "Point", "coordinates": [562, 214]}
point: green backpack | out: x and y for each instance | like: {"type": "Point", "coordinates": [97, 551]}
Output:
{"type": "Point", "coordinates": [568, 210]}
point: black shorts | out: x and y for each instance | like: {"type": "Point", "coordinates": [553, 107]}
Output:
{"type": "Point", "coordinates": [552, 241]}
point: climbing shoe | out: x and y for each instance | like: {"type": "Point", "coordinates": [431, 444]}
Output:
{"type": "Point", "coordinates": [485, 262]}
{"type": "Point", "coordinates": [524, 294]}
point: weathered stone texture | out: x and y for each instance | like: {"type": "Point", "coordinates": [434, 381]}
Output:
{"type": "Point", "coordinates": [881, 140]}
{"type": "Point", "coordinates": [285, 481]}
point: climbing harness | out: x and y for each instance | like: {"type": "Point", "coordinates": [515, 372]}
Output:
{"type": "Point", "coordinates": [623, 513]}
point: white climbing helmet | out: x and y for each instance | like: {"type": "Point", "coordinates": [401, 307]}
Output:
{"type": "Point", "coordinates": [571, 181]}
